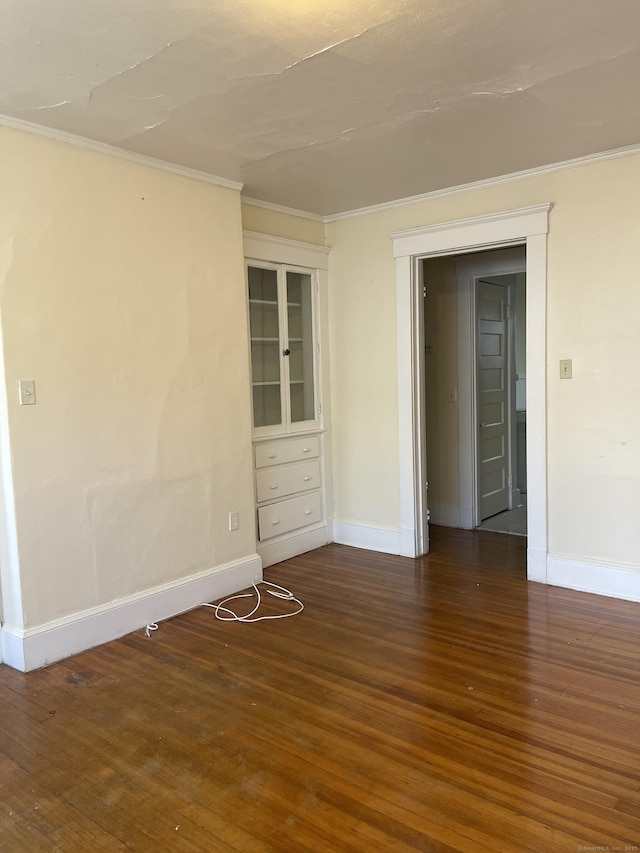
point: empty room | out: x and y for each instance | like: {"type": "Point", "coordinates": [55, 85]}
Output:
{"type": "Point", "coordinates": [299, 301]}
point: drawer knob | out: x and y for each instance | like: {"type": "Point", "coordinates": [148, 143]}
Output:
{"type": "Point", "coordinates": [308, 512]}
{"type": "Point", "coordinates": [307, 478]}
{"type": "Point", "coordinates": [306, 450]}
{"type": "Point", "coordinates": [276, 521]}
{"type": "Point", "coordinates": [271, 455]}
{"type": "Point", "coordinates": [273, 486]}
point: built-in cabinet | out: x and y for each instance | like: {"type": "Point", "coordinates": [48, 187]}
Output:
{"type": "Point", "coordinates": [283, 292]}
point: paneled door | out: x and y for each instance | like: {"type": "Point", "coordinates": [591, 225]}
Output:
{"type": "Point", "coordinates": [492, 398]}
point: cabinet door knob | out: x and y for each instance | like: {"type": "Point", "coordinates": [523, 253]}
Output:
{"type": "Point", "coordinates": [286, 351]}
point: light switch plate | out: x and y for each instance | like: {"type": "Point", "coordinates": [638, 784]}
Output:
{"type": "Point", "coordinates": [565, 368]}
{"type": "Point", "coordinates": [27, 392]}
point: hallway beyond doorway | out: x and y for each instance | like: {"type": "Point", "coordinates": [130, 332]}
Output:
{"type": "Point", "coordinates": [513, 521]}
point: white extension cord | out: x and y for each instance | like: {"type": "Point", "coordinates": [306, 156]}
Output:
{"type": "Point", "coordinates": [226, 614]}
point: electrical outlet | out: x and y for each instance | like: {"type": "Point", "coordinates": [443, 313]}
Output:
{"type": "Point", "coordinates": [234, 520]}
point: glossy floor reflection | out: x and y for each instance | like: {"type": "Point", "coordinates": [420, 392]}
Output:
{"type": "Point", "coordinates": [440, 704]}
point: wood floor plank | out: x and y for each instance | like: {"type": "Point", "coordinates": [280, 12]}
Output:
{"type": "Point", "coordinates": [441, 704]}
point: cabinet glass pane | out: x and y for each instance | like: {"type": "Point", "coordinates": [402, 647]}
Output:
{"type": "Point", "coordinates": [265, 346]}
{"type": "Point", "coordinates": [266, 405]}
{"type": "Point", "coordinates": [263, 284]}
{"type": "Point", "coordinates": [263, 320]}
{"type": "Point", "coordinates": [300, 325]}
{"type": "Point", "coordinates": [265, 361]}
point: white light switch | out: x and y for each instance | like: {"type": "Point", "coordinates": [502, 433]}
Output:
{"type": "Point", "coordinates": [27, 392]}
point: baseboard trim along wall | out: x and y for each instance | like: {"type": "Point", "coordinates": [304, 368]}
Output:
{"type": "Point", "coordinates": [613, 581]}
{"type": "Point", "coordinates": [382, 539]}
{"type": "Point", "coordinates": [36, 647]}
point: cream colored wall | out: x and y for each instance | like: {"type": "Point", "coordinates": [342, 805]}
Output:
{"type": "Point", "coordinates": [122, 296]}
{"type": "Point", "coordinates": [279, 224]}
{"type": "Point", "coordinates": [593, 318]}
{"type": "Point", "coordinates": [441, 378]}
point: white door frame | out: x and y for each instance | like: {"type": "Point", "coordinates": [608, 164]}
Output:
{"type": "Point", "coordinates": [527, 226]}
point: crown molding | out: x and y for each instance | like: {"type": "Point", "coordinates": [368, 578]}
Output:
{"type": "Point", "coordinates": [288, 211]}
{"type": "Point", "coordinates": [114, 151]}
{"type": "Point", "coordinates": [613, 154]}
{"type": "Point", "coordinates": [216, 180]}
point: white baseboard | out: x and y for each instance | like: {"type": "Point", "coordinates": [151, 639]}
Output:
{"type": "Point", "coordinates": [446, 516]}
{"type": "Point", "coordinates": [372, 538]}
{"type": "Point", "coordinates": [36, 647]}
{"type": "Point", "coordinates": [467, 520]}
{"type": "Point", "coordinates": [614, 581]}
{"type": "Point", "coordinates": [536, 565]}
{"type": "Point", "coordinates": [291, 546]}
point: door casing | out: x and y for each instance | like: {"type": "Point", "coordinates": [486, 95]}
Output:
{"type": "Point", "coordinates": [528, 226]}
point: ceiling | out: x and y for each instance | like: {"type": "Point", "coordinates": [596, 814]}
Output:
{"type": "Point", "coordinates": [330, 105]}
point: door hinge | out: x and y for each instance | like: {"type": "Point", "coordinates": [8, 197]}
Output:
{"type": "Point", "coordinates": [319, 408]}
{"type": "Point", "coordinates": [426, 485]}
{"type": "Point", "coordinates": [315, 285]}
{"type": "Point", "coordinates": [508, 307]}
{"type": "Point", "coordinates": [424, 290]}
{"type": "Point", "coordinates": [428, 516]}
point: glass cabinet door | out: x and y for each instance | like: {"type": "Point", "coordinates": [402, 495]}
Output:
{"type": "Point", "coordinates": [300, 345]}
{"type": "Point", "coordinates": [264, 330]}
{"type": "Point", "coordinates": [282, 334]}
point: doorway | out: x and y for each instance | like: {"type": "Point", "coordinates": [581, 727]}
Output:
{"type": "Point", "coordinates": [525, 226]}
{"type": "Point", "coordinates": [474, 360]}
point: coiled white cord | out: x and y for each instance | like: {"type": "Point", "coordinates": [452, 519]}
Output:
{"type": "Point", "coordinates": [226, 614]}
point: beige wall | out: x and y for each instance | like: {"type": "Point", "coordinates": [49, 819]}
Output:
{"type": "Point", "coordinates": [441, 379]}
{"type": "Point", "coordinates": [122, 296]}
{"type": "Point", "coordinates": [593, 318]}
{"type": "Point", "coordinates": [279, 224]}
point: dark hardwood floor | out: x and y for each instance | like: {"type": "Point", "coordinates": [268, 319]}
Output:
{"type": "Point", "coordinates": [442, 704]}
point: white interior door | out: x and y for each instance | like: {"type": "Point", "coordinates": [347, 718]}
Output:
{"type": "Point", "coordinates": [492, 398]}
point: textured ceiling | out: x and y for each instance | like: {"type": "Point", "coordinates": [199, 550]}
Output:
{"type": "Point", "coordinates": [328, 106]}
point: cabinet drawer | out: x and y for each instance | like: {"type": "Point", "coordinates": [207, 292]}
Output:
{"type": "Point", "coordinates": [276, 519]}
{"type": "Point", "coordinates": [292, 450]}
{"type": "Point", "coordinates": [286, 480]}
